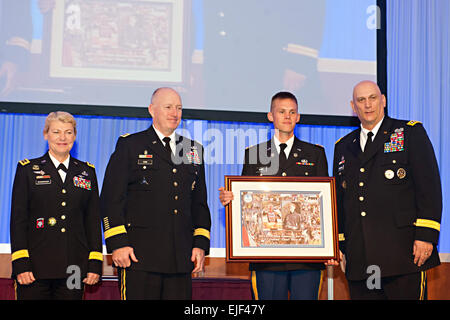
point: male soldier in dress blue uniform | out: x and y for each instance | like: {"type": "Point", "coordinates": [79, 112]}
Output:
{"type": "Point", "coordinates": [389, 201]}
{"type": "Point", "coordinates": [283, 155]}
{"type": "Point", "coordinates": [154, 206]}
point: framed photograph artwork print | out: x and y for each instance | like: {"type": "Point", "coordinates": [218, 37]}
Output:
{"type": "Point", "coordinates": [281, 219]}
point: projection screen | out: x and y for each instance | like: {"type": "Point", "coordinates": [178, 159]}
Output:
{"type": "Point", "coordinates": [221, 55]}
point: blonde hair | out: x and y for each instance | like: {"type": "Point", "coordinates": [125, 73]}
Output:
{"type": "Point", "coordinates": [62, 116]}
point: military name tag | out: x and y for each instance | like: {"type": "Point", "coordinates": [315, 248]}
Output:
{"type": "Point", "coordinates": [145, 162]}
{"type": "Point", "coordinates": [82, 183]}
{"type": "Point", "coordinates": [40, 180]}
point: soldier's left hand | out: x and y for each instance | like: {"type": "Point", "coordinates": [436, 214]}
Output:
{"type": "Point", "coordinates": [91, 278]}
{"type": "Point", "coordinates": [422, 251]}
{"type": "Point", "coordinates": [198, 257]}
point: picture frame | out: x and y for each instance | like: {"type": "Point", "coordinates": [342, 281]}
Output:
{"type": "Point", "coordinates": [119, 43]}
{"type": "Point", "coordinates": [281, 219]}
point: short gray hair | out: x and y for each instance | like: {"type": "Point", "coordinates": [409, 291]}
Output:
{"type": "Point", "coordinates": [62, 116]}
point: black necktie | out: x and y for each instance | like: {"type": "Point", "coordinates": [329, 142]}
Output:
{"type": "Point", "coordinates": [282, 155]}
{"type": "Point", "coordinates": [368, 142]}
{"type": "Point", "coordinates": [62, 167]}
{"type": "Point", "coordinates": [167, 145]}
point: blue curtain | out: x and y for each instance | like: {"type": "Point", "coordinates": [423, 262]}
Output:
{"type": "Point", "coordinates": [224, 144]}
{"type": "Point", "coordinates": [418, 42]}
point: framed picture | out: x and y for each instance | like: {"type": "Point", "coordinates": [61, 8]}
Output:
{"type": "Point", "coordinates": [127, 40]}
{"type": "Point", "coordinates": [281, 219]}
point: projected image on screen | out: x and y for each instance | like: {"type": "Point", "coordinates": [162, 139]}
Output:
{"type": "Point", "coordinates": [113, 35]}
{"type": "Point", "coordinates": [116, 40]}
{"type": "Point", "coordinates": [230, 55]}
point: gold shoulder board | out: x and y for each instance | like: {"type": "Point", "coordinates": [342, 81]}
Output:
{"type": "Point", "coordinates": [412, 123]}
{"type": "Point", "coordinates": [90, 164]}
{"type": "Point", "coordinates": [24, 162]}
{"type": "Point", "coordinates": [125, 135]}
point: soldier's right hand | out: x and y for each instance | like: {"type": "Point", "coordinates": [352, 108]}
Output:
{"type": "Point", "coordinates": [225, 196]}
{"type": "Point", "coordinates": [25, 278]}
{"type": "Point", "coordinates": [122, 257]}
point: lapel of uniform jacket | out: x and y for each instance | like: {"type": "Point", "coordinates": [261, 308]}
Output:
{"type": "Point", "coordinates": [271, 150]}
{"type": "Point", "coordinates": [269, 153]}
{"type": "Point", "coordinates": [380, 139]}
{"type": "Point", "coordinates": [295, 153]}
{"type": "Point", "coordinates": [157, 146]}
{"type": "Point", "coordinates": [354, 145]}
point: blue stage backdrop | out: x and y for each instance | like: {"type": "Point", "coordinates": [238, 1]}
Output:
{"type": "Point", "coordinates": [224, 144]}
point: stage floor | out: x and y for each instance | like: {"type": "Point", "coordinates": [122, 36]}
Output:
{"type": "Point", "coordinates": [202, 289]}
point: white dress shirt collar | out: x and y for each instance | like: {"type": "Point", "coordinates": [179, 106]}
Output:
{"type": "Point", "coordinates": [172, 139]}
{"type": "Point", "coordinates": [289, 143]}
{"type": "Point", "coordinates": [364, 132]}
{"type": "Point", "coordinates": [57, 163]}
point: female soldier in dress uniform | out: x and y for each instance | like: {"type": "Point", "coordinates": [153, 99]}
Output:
{"type": "Point", "coordinates": [56, 239]}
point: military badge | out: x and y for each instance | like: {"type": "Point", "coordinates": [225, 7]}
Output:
{"type": "Point", "coordinates": [39, 223]}
{"type": "Point", "coordinates": [263, 171]}
{"type": "Point", "coordinates": [51, 221]}
{"type": "Point", "coordinates": [401, 173]}
{"type": "Point", "coordinates": [389, 174]}
{"type": "Point", "coordinates": [82, 183]}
